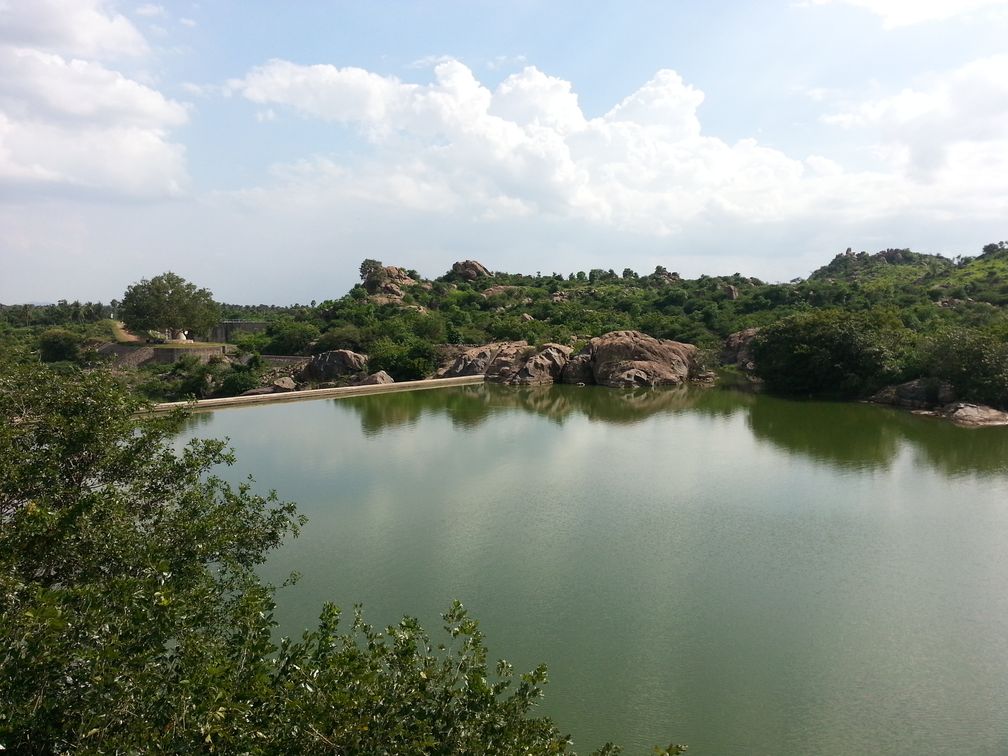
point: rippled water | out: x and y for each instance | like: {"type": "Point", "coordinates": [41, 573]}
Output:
{"type": "Point", "coordinates": [741, 573]}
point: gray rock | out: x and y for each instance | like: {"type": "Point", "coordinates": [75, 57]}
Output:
{"type": "Point", "coordinates": [922, 393]}
{"type": "Point", "coordinates": [470, 270]}
{"type": "Point", "coordinates": [334, 364]}
{"type": "Point", "coordinates": [261, 391]}
{"type": "Point", "coordinates": [284, 384]}
{"type": "Point", "coordinates": [622, 359]}
{"type": "Point", "coordinates": [376, 379]}
{"type": "Point", "coordinates": [545, 366]}
{"type": "Point", "coordinates": [737, 349]}
{"type": "Point", "coordinates": [578, 370]}
{"type": "Point", "coordinates": [974, 414]}
{"type": "Point", "coordinates": [486, 360]}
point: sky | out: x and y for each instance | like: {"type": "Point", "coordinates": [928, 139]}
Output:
{"type": "Point", "coordinates": [263, 149]}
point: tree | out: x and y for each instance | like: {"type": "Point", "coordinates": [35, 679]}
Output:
{"type": "Point", "coordinates": [57, 344]}
{"type": "Point", "coordinates": [132, 619]}
{"type": "Point", "coordinates": [369, 268]}
{"type": "Point", "coordinates": [168, 303]}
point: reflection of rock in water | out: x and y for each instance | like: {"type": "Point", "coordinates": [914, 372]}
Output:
{"type": "Point", "coordinates": [469, 406]}
{"type": "Point", "coordinates": [958, 451]}
{"type": "Point", "coordinates": [194, 420]}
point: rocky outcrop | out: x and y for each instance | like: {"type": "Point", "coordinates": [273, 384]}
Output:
{"type": "Point", "coordinates": [623, 359]}
{"type": "Point", "coordinates": [731, 292]}
{"type": "Point", "coordinates": [470, 270]}
{"type": "Point", "coordinates": [975, 415]}
{"type": "Point", "coordinates": [487, 360]}
{"type": "Point", "coordinates": [545, 366]}
{"type": "Point", "coordinates": [922, 393]}
{"type": "Point", "coordinates": [737, 349]}
{"type": "Point", "coordinates": [334, 364]}
{"type": "Point", "coordinates": [377, 379]}
{"type": "Point", "coordinates": [578, 370]}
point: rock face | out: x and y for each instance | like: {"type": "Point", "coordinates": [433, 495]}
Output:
{"type": "Point", "coordinates": [487, 360]}
{"type": "Point", "coordinates": [922, 393]}
{"type": "Point", "coordinates": [470, 270]}
{"type": "Point", "coordinates": [334, 364]}
{"type": "Point", "coordinates": [737, 349]}
{"type": "Point", "coordinates": [974, 414]}
{"type": "Point", "coordinates": [578, 370]}
{"type": "Point", "coordinates": [731, 292]}
{"type": "Point", "coordinates": [377, 379]}
{"type": "Point", "coordinates": [545, 366]}
{"type": "Point", "coordinates": [624, 359]}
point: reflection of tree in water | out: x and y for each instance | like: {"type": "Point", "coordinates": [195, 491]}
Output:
{"type": "Point", "coordinates": [466, 405]}
{"type": "Point", "coordinates": [958, 451]}
{"type": "Point", "coordinates": [195, 420]}
{"type": "Point", "coordinates": [852, 436]}
{"type": "Point", "coordinates": [858, 436]}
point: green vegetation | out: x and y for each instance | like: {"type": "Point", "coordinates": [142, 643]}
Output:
{"type": "Point", "coordinates": [168, 303]}
{"type": "Point", "coordinates": [132, 619]}
{"type": "Point", "coordinates": [902, 301]}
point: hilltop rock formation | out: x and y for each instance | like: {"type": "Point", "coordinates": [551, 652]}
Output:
{"type": "Point", "coordinates": [470, 270]}
{"type": "Point", "coordinates": [335, 364]}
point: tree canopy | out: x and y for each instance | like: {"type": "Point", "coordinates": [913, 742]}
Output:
{"type": "Point", "coordinates": [168, 302]}
{"type": "Point", "coordinates": [132, 620]}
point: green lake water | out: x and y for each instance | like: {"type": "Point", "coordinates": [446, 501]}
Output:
{"type": "Point", "coordinates": [741, 573]}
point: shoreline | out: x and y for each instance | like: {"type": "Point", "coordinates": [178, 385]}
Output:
{"type": "Point", "coordinates": [204, 405]}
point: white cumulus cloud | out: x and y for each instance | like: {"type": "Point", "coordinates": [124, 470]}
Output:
{"type": "Point", "coordinates": [70, 121]}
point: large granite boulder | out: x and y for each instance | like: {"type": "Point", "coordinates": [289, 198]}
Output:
{"type": "Point", "coordinates": [623, 359]}
{"type": "Point", "coordinates": [470, 270]}
{"type": "Point", "coordinates": [921, 393]}
{"type": "Point", "coordinates": [489, 359]}
{"type": "Point", "coordinates": [974, 414]}
{"type": "Point", "coordinates": [377, 379]}
{"type": "Point", "coordinates": [737, 349]}
{"type": "Point", "coordinates": [285, 383]}
{"type": "Point", "coordinates": [335, 364]}
{"type": "Point", "coordinates": [545, 366]}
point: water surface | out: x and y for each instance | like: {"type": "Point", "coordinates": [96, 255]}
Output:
{"type": "Point", "coordinates": [744, 574]}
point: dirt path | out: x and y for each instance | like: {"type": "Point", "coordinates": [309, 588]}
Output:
{"type": "Point", "coordinates": [122, 335]}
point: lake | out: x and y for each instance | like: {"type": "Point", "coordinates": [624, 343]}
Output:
{"type": "Point", "coordinates": [741, 573]}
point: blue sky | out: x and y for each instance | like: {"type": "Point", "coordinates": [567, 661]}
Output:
{"type": "Point", "coordinates": [263, 149]}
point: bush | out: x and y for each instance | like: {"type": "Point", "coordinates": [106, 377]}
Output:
{"type": "Point", "coordinates": [974, 361]}
{"type": "Point", "coordinates": [833, 353]}
{"type": "Point", "coordinates": [59, 345]}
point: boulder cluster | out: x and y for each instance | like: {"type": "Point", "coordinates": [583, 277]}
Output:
{"type": "Point", "coordinates": [620, 359]}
